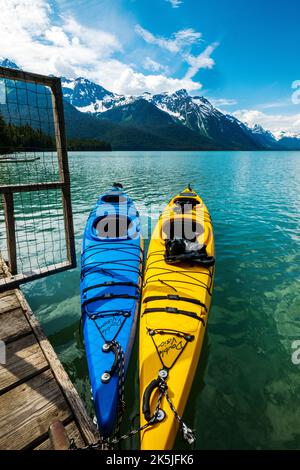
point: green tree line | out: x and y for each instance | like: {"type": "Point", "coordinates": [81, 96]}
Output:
{"type": "Point", "coordinates": [24, 138]}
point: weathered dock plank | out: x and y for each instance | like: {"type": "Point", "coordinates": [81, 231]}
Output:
{"type": "Point", "coordinates": [87, 428]}
{"type": "Point", "coordinates": [6, 293]}
{"type": "Point", "coordinates": [27, 410]}
{"type": "Point", "coordinates": [35, 390]}
{"type": "Point", "coordinates": [24, 359]}
{"type": "Point", "coordinates": [9, 302]}
{"type": "Point", "coordinates": [13, 325]}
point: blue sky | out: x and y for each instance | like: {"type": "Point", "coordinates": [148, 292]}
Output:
{"type": "Point", "coordinates": [243, 55]}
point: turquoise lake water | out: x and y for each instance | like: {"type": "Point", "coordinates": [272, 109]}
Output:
{"type": "Point", "coordinates": [247, 390]}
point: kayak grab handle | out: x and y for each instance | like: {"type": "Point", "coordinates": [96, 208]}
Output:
{"type": "Point", "coordinates": [107, 347]}
{"type": "Point", "coordinates": [156, 383]}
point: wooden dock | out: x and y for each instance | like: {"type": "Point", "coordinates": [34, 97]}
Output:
{"type": "Point", "coordinates": [35, 390]}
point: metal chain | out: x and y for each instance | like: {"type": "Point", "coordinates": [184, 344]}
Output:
{"type": "Point", "coordinates": [188, 433]}
{"type": "Point", "coordinates": [121, 385]}
{"type": "Point", "coordinates": [133, 432]}
{"type": "Point", "coordinates": [109, 443]}
{"type": "Point", "coordinates": [121, 402]}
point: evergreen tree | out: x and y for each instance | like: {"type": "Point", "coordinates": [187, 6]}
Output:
{"type": "Point", "coordinates": [4, 138]}
{"type": "Point", "coordinates": [24, 138]}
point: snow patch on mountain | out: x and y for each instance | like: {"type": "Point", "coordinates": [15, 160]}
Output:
{"type": "Point", "coordinates": [87, 96]}
{"type": "Point", "coordinates": [4, 62]}
{"type": "Point", "coordinates": [66, 83]}
{"type": "Point", "coordinates": [258, 129]}
{"type": "Point", "coordinates": [288, 134]}
{"type": "Point", "coordinates": [190, 111]}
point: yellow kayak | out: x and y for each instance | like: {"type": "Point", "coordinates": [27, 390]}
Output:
{"type": "Point", "coordinates": [177, 290]}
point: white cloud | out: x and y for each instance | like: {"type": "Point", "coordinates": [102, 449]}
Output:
{"type": "Point", "coordinates": [28, 36]}
{"type": "Point", "coordinates": [175, 3]}
{"type": "Point", "coordinates": [153, 66]}
{"type": "Point", "coordinates": [23, 16]}
{"type": "Point", "coordinates": [273, 122]}
{"type": "Point", "coordinates": [39, 41]}
{"type": "Point", "coordinates": [101, 42]}
{"type": "Point", "coordinates": [57, 36]}
{"type": "Point", "coordinates": [177, 42]}
{"type": "Point", "coordinates": [202, 61]}
{"type": "Point", "coordinates": [123, 79]}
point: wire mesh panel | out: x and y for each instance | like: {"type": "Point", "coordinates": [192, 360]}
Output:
{"type": "Point", "coordinates": [36, 227]}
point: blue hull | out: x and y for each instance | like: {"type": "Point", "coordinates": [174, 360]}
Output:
{"type": "Point", "coordinates": [111, 270]}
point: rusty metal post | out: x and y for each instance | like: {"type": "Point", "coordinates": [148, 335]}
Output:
{"type": "Point", "coordinates": [58, 436]}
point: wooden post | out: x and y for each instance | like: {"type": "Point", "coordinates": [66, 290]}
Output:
{"type": "Point", "coordinates": [61, 145]}
{"type": "Point", "coordinates": [8, 203]}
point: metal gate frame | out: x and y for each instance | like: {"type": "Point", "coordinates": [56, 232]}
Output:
{"type": "Point", "coordinates": [63, 184]}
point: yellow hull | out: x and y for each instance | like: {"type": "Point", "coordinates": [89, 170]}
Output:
{"type": "Point", "coordinates": [174, 309]}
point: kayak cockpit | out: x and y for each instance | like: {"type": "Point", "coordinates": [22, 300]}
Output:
{"type": "Point", "coordinates": [114, 226]}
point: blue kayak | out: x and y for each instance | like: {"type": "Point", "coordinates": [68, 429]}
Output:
{"type": "Point", "coordinates": [111, 273]}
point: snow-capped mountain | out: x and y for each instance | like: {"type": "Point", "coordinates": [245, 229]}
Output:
{"type": "Point", "coordinates": [193, 112]}
{"type": "Point", "coordinates": [288, 135]}
{"type": "Point", "coordinates": [164, 120]}
{"type": "Point", "coordinates": [4, 62]}
{"type": "Point", "coordinates": [190, 110]}
{"type": "Point", "coordinates": [197, 114]}
{"type": "Point", "coordinates": [265, 137]}
{"type": "Point", "coordinates": [87, 96]}
{"type": "Point", "coordinates": [288, 140]}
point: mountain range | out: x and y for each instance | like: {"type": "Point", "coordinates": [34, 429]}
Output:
{"type": "Point", "coordinates": [165, 121]}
